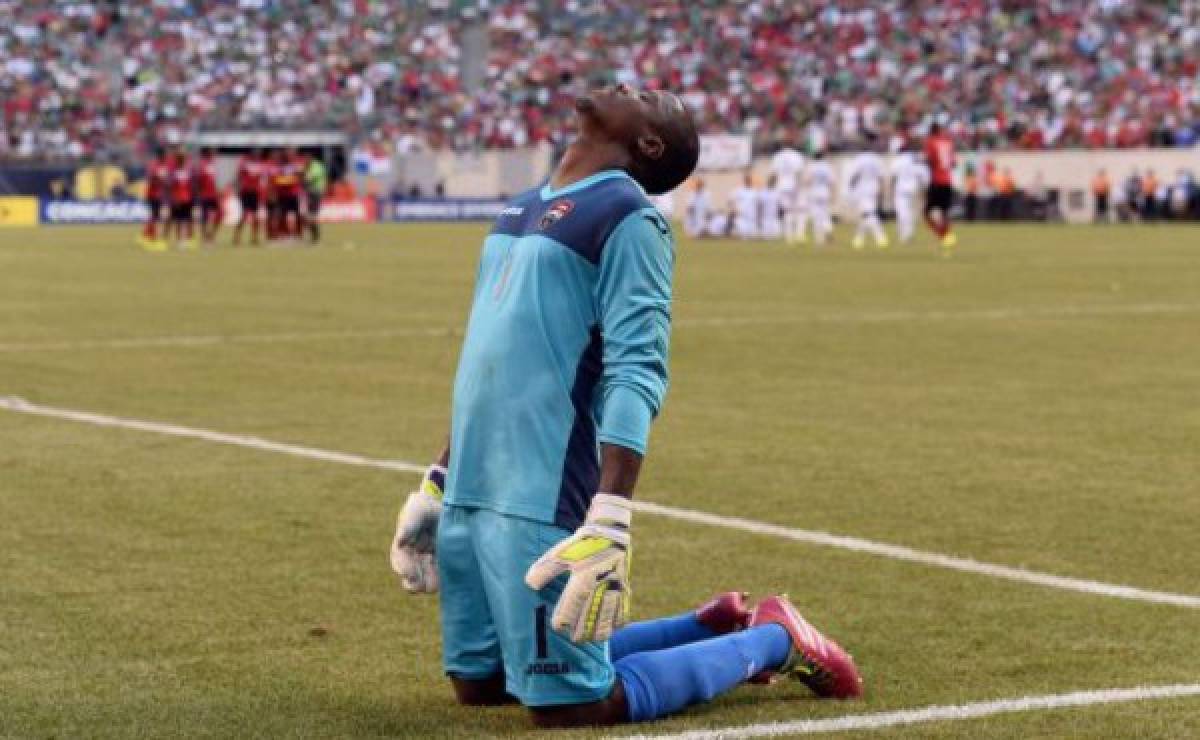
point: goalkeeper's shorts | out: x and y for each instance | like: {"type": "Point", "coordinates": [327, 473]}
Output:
{"type": "Point", "coordinates": [492, 621]}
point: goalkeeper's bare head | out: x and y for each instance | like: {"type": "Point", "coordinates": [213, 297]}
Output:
{"type": "Point", "coordinates": [650, 133]}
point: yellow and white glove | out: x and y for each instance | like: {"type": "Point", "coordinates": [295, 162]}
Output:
{"type": "Point", "coordinates": [413, 547]}
{"type": "Point", "coordinates": [596, 599]}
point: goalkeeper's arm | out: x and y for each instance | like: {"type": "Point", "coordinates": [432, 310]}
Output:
{"type": "Point", "coordinates": [634, 297]}
{"type": "Point", "coordinates": [619, 469]}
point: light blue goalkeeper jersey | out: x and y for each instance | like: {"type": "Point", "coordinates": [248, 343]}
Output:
{"type": "Point", "coordinates": [566, 348]}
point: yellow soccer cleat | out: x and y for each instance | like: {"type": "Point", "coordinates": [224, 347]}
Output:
{"type": "Point", "coordinates": [883, 244]}
{"type": "Point", "coordinates": [949, 240]}
{"type": "Point", "coordinates": [151, 245]}
{"type": "Point", "coordinates": [858, 242]}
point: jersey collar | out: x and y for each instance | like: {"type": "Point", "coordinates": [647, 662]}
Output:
{"type": "Point", "coordinates": [548, 192]}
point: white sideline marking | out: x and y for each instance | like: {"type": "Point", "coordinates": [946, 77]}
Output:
{"type": "Point", "coordinates": [345, 458]}
{"type": "Point", "coordinates": [934, 714]}
{"type": "Point", "coordinates": [899, 552]}
{"type": "Point", "coordinates": [855, 544]}
{"type": "Point", "coordinates": [866, 317]}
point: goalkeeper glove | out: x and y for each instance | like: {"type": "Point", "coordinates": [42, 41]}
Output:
{"type": "Point", "coordinates": [413, 548]}
{"type": "Point", "coordinates": [596, 599]}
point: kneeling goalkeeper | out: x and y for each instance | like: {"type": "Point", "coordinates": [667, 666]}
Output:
{"type": "Point", "coordinates": [563, 367]}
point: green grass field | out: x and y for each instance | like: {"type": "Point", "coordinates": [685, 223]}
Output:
{"type": "Point", "coordinates": [1033, 402]}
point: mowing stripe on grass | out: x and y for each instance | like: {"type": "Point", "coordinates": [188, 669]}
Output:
{"type": "Point", "coordinates": [947, 713]}
{"type": "Point", "coordinates": [863, 317]}
{"type": "Point", "coordinates": [854, 544]}
{"type": "Point", "coordinates": [208, 340]}
{"type": "Point", "coordinates": [968, 314]}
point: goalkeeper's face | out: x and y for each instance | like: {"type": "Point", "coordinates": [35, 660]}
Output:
{"type": "Point", "coordinates": [654, 127]}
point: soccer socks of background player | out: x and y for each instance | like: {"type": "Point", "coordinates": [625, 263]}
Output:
{"type": "Point", "coordinates": [869, 224]}
{"type": "Point", "coordinates": [877, 232]}
{"type": "Point", "coordinates": [661, 682]}
{"type": "Point", "coordinates": [657, 634]}
{"type": "Point", "coordinates": [937, 226]}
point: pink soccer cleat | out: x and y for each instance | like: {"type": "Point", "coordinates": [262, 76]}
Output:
{"type": "Point", "coordinates": [819, 662]}
{"type": "Point", "coordinates": [725, 613]}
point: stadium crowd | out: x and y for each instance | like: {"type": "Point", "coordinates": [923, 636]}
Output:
{"type": "Point", "coordinates": [93, 78]}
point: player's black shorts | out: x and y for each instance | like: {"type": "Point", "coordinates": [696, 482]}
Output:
{"type": "Point", "coordinates": [181, 210]}
{"type": "Point", "coordinates": [155, 205]}
{"type": "Point", "coordinates": [249, 200]}
{"type": "Point", "coordinates": [313, 202]}
{"type": "Point", "coordinates": [939, 197]}
{"type": "Point", "coordinates": [209, 207]}
{"type": "Point", "coordinates": [289, 203]}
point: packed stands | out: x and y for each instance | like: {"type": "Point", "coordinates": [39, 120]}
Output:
{"type": "Point", "coordinates": [108, 79]}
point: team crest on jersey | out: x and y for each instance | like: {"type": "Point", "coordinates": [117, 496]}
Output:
{"type": "Point", "coordinates": [555, 213]}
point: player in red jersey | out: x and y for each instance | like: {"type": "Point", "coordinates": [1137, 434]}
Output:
{"type": "Point", "coordinates": [158, 172]}
{"type": "Point", "coordinates": [939, 154]}
{"type": "Point", "coordinates": [265, 191]}
{"type": "Point", "coordinates": [250, 192]}
{"type": "Point", "coordinates": [288, 180]}
{"type": "Point", "coordinates": [210, 197]}
{"type": "Point", "coordinates": [182, 191]}
{"type": "Point", "coordinates": [270, 173]}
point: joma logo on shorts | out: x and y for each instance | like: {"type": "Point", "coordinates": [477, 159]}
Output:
{"type": "Point", "coordinates": [547, 669]}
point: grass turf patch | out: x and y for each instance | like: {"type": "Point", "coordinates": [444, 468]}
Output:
{"type": "Point", "coordinates": [1029, 402]}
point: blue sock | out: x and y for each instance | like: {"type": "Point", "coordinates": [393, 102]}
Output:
{"type": "Point", "coordinates": [657, 634]}
{"type": "Point", "coordinates": [661, 682]}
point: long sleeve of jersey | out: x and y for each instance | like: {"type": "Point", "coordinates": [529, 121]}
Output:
{"type": "Point", "coordinates": [633, 295]}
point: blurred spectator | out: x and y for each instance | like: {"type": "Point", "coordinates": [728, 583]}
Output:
{"type": "Point", "coordinates": [1180, 197]}
{"type": "Point", "coordinates": [1149, 207]}
{"type": "Point", "coordinates": [1131, 203]}
{"type": "Point", "coordinates": [970, 194]}
{"type": "Point", "coordinates": [98, 78]}
{"type": "Point", "coordinates": [1006, 190]}
{"type": "Point", "coordinates": [1100, 188]}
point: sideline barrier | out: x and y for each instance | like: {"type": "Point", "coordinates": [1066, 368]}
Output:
{"type": "Point", "coordinates": [63, 212]}
{"type": "Point", "coordinates": [30, 211]}
{"type": "Point", "coordinates": [349, 210]}
{"type": "Point", "coordinates": [19, 210]}
{"type": "Point", "coordinates": [449, 209]}
{"type": "Point", "coordinates": [333, 210]}
{"type": "Point", "coordinates": [94, 212]}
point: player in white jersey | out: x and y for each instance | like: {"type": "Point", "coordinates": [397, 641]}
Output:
{"type": "Point", "coordinates": [744, 200]}
{"type": "Point", "coordinates": [720, 222]}
{"type": "Point", "coordinates": [787, 165]}
{"type": "Point", "coordinates": [817, 193]}
{"type": "Point", "coordinates": [696, 217]}
{"type": "Point", "coordinates": [862, 184]}
{"type": "Point", "coordinates": [770, 209]}
{"type": "Point", "coordinates": [909, 178]}
{"type": "Point", "coordinates": [665, 203]}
